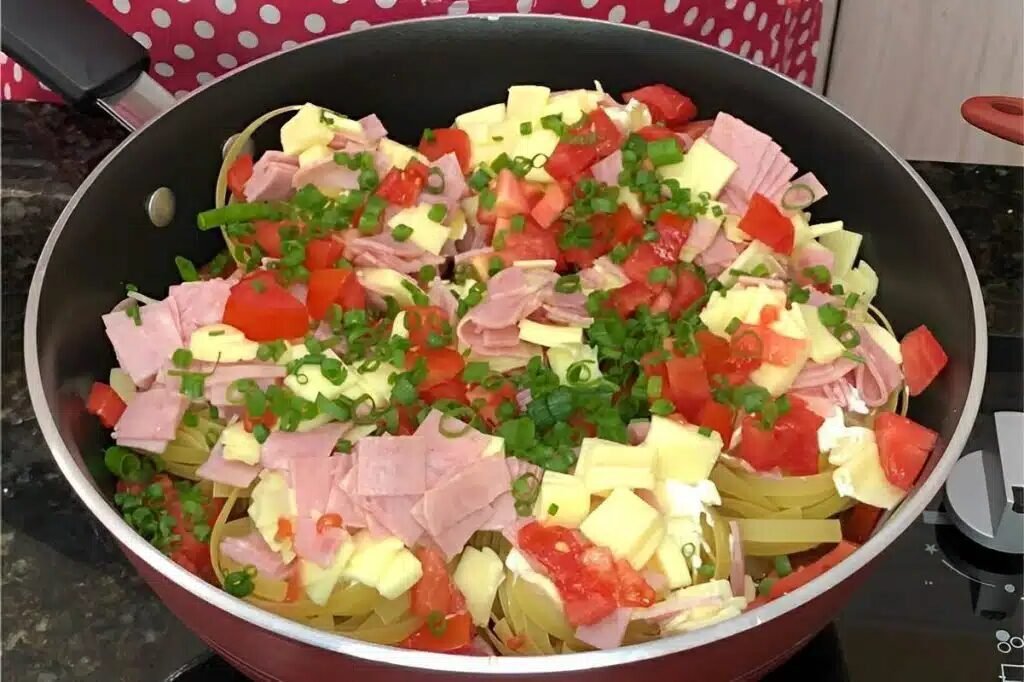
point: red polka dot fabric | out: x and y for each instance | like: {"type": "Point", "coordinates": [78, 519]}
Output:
{"type": "Point", "coordinates": [191, 42]}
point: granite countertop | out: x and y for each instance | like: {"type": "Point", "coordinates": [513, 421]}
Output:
{"type": "Point", "coordinates": [73, 607]}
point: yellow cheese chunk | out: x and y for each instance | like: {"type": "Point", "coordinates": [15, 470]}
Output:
{"type": "Point", "coordinates": [478, 576]}
{"type": "Point", "coordinates": [485, 152]}
{"type": "Point", "coordinates": [307, 128]}
{"type": "Point", "coordinates": [122, 384]}
{"type": "Point", "coordinates": [239, 444]}
{"type": "Point", "coordinates": [400, 574]}
{"type": "Point", "coordinates": [428, 234]}
{"type": "Point", "coordinates": [371, 557]}
{"type": "Point", "coordinates": [669, 560]}
{"type": "Point", "coordinates": [540, 141]}
{"type": "Point", "coordinates": [801, 230]}
{"type": "Point", "coordinates": [626, 525]}
{"type": "Point", "coordinates": [457, 224]}
{"type": "Point", "coordinates": [844, 245]}
{"type": "Point", "coordinates": [549, 335]}
{"type": "Point", "coordinates": [603, 465]}
{"type": "Point", "coordinates": [494, 113]}
{"type": "Point", "coordinates": [272, 499]}
{"type": "Point", "coordinates": [859, 472]}
{"type": "Point", "coordinates": [314, 154]}
{"type": "Point", "coordinates": [477, 132]}
{"type": "Point", "coordinates": [630, 200]}
{"type": "Point", "coordinates": [535, 264]}
{"type": "Point", "coordinates": [398, 326]}
{"type": "Point", "coordinates": [309, 381]}
{"type": "Point", "coordinates": [683, 452]}
{"type": "Point", "coordinates": [376, 383]}
{"type": "Point", "coordinates": [495, 446]}
{"type": "Point", "coordinates": [526, 102]}
{"type": "Point", "coordinates": [754, 255]}
{"type": "Point", "coordinates": [398, 154]}
{"type": "Point", "coordinates": [683, 500]}
{"type": "Point", "coordinates": [561, 358]}
{"type": "Point", "coordinates": [562, 500]}
{"type": "Point", "coordinates": [744, 303]}
{"type": "Point", "coordinates": [703, 169]}
{"type": "Point", "coordinates": [221, 343]}
{"type": "Point", "coordinates": [823, 347]}
{"type": "Point", "coordinates": [319, 582]}
{"type": "Point", "coordinates": [687, 537]}
{"type": "Point", "coordinates": [821, 229]}
{"type": "Point", "coordinates": [386, 282]}
{"type": "Point", "coordinates": [862, 280]}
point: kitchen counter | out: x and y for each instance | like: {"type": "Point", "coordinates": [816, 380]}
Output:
{"type": "Point", "coordinates": [72, 606]}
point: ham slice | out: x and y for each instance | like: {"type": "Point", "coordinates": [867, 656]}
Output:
{"type": "Point", "coordinates": [318, 546]}
{"type": "Point", "coordinates": [743, 144]}
{"type": "Point", "coordinates": [607, 170]}
{"type": "Point", "coordinates": [442, 297]}
{"type": "Point", "coordinates": [737, 567]}
{"type": "Point", "coordinates": [272, 177]}
{"type": "Point", "coordinates": [464, 493]}
{"type": "Point", "coordinates": [394, 513]}
{"type": "Point", "coordinates": [281, 446]}
{"type": "Point", "coordinates": [151, 417]}
{"type": "Point", "coordinates": [373, 129]}
{"type": "Point", "coordinates": [391, 465]}
{"type": "Point", "coordinates": [512, 295]}
{"type": "Point", "coordinates": [342, 499]}
{"type": "Point", "coordinates": [811, 257]}
{"type": "Point", "coordinates": [447, 454]}
{"type": "Point", "coordinates": [504, 506]}
{"type": "Point", "coordinates": [673, 606]}
{"type": "Point", "coordinates": [814, 374]}
{"type": "Point", "coordinates": [311, 479]}
{"type": "Point", "coordinates": [326, 175]}
{"type": "Point", "coordinates": [253, 550]}
{"type": "Point", "coordinates": [142, 349]}
{"type": "Point", "coordinates": [451, 180]}
{"type": "Point", "coordinates": [701, 235]}
{"type": "Point", "coordinates": [608, 632]}
{"type": "Point", "coordinates": [718, 256]}
{"type": "Point", "coordinates": [810, 180]}
{"type": "Point", "coordinates": [382, 251]}
{"type": "Point", "coordinates": [199, 303]}
{"type": "Point", "coordinates": [879, 375]}
{"type": "Point", "coordinates": [227, 471]}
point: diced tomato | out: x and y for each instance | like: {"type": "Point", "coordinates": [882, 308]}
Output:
{"type": "Point", "coordinates": [760, 342]}
{"type": "Point", "coordinates": [403, 187]}
{"type": "Point", "coordinates": [445, 140]}
{"type": "Point", "coordinates": [633, 589]}
{"type": "Point", "coordinates": [805, 574]}
{"type": "Point", "coordinates": [285, 531]}
{"type": "Point", "coordinates": [639, 263]}
{"type": "Point", "coordinates": [903, 448]}
{"type": "Point", "coordinates": [673, 231]}
{"type": "Point", "coordinates": [443, 364]}
{"type": "Point", "coordinates": [105, 403]}
{"type": "Point", "coordinates": [608, 136]}
{"type": "Point", "coordinates": [454, 633]}
{"type": "Point", "coordinates": [510, 197]}
{"type": "Point", "coordinates": [534, 191]}
{"type": "Point", "coordinates": [923, 359]}
{"type": "Point", "coordinates": [667, 104]}
{"type": "Point", "coordinates": [717, 417]}
{"type": "Point", "coordinates": [547, 210]}
{"type": "Point", "coordinates": [764, 221]}
{"type": "Point", "coordinates": [720, 361]}
{"type": "Point", "coordinates": [239, 174]}
{"type": "Point", "coordinates": [323, 253]}
{"type": "Point", "coordinates": [625, 227]}
{"type": "Point", "coordinates": [791, 445]}
{"type": "Point", "coordinates": [652, 133]}
{"type": "Point", "coordinates": [433, 591]}
{"type": "Point", "coordinates": [689, 289]}
{"type": "Point", "coordinates": [492, 399]}
{"type": "Point", "coordinates": [330, 520]}
{"type": "Point", "coordinates": [757, 445]}
{"type": "Point", "coordinates": [249, 422]}
{"type": "Point", "coordinates": [627, 299]}
{"type": "Point", "coordinates": [268, 236]}
{"type": "Point", "coordinates": [334, 286]}
{"type": "Point", "coordinates": [532, 243]}
{"type": "Point", "coordinates": [860, 521]}
{"type": "Point", "coordinates": [695, 129]}
{"type": "Point", "coordinates": [688, 387]}
{"type": "Point", "coordinates": [264, 310]}
{"type": "Point", "coordinates": [422, 321]}
{"type": "Point", "coordinates": [452, 389]}
{"type": "Point", "coordinates": [569, 160]}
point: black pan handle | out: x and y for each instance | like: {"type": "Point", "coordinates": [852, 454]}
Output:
{"type": "Point", "coordinates": [80, 54]}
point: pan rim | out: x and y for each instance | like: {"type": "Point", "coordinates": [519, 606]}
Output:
{"type": "Point", "coordinates": [128, 538]}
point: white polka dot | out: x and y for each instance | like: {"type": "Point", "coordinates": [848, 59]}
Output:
{"type": "Point", "coordinates": [163, 69]}
{"type": "Point", "coordinates": [803, 36]}
{"type": "Point", "coordinates": [226, 6]}
{"type": "Point", "coordinates": [178, 94]}
{"type": "Point", "coordinates": [617, 14]}
{"type": "Point", "coordinates": [43, 86]}
{"type": "Point", "coordinates": [725, 38]}
{"type": "Point", "coordinates": [386, 4]}
{"type": "Point", "coordinates": [203, 77]}
{"type": "Point", "coordinates": [203, 29]}
{"type": "Point", "coordinates": [708, 26]}
{"type": "Point", "coordinates": [802, 76]}
{"type": "Point", "coordinates": [359, 25]}
{"type": "Point", "coordinates": [142, 39]}
{"type": "Point", "coordinates": [588, 4]}
{"type": "Point", "coordinates": [787, 17]}
{"type": "Point", "coordinates": [289, 44]}
{"type": "Point", "coordinates": [643, 24]}
{"type": "Point", "coordinates": [339, 2]}
{"type": "Point", "coordinates": [270, 14]}
{"type": "Point", "coordinates": [691, 16]}
{"type": "Point", "coordinates": [248, 39]}
{"type": "Point", "coordinates": [730, 4]}
{"type": "Point", "coordinates": [7, 91]}
{"type": "Point", "coordinates": [524, 6]}
{"type": "Point", "coordinates": [814, 48]}
{"type": "Point", "coordinates": [745, 48]}
{"type": "Point", "coordinates": [762, 21]}
{"type": "Point", "coordinates": [183, 51]}
{"type": "Point", "coordinates": [775, 48]}
{"type": "Point", "coordinates": [750, 10]}
{"type": "Point", "coordinates": [161, 18]}
{"type": "Point", "coordinates": [4, 58]}
{"type": "Point", "coordinates": [800, 58]}
{"type": "Point", "coordinates": [459, 7]}
{"type": "Point", "coordinates": [314, 23]}
{"type": "Point", "coordinates": [123, 6]}
{"type": "Point", "coordinates": [758, 57]}
{"type": "Point", "coordinates": [807, 15]}
{"type": "Point", "coordinates": [671, 6]}
{"type": "Point", "coordinates": [774, 32]}
{"type": "Point", "coordinates": [17, 72]}
{"type": "Point", "coordinates": [227, 61]}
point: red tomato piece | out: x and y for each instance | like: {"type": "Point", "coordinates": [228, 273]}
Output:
{"type": "Point", "coordinates": [550, 206]}
{"type": "Point", "coordinates": [422, 321]}
{"type": "Point", "coordinates": [796, 438]}
{"type": "Point", "coordinates": [639, 263]}
{"type": "Point", "coordinates": [534, 191]}
{"type": "Point", "coordinates": [333, 286]}
{"type": "Point", "coordinates": [652, 133]}
{"type": "Point", "coordinates": [532, 243]}
{"type": "Point", "coordinates": [443, 364]}
{"type": "Point", "coordinates": [923, 359]}
{"type": "Point", "coordinates": [433, 591]}
{"type": "Point", "coordinates": [268, 236]}
{"type": "Point", "coordinates": [673, 231]}
{"type": "Point", "coordinates": [760, 342]}
{"type": "Point", "coordinates": [624, 226]}
{"type": "Point", "coordinates": [448, 390]}
{"type": "Point", "coordinates": [445, 140]}
{"type": "Point", "coordinates": [689, 289]}
{"type": "Point", "coordinates": [903, 448]}
{"type": "Point", "coordinates": [717, 417]}
{"type": "Point", "coordinates": [860, 521]}
{"type": "Point", "coordinates": [326, 521]}
{"type": "Point", "coordinates": [264, 310]}
{"type": "Point", "coordinates": [805, 574]}
{"type": "Point", "coordinates": [568, 160]}
{"type": "Point", "coordinates": [608, 136]}
{"type": "Point", "coordinates": [720, 361]}
{"type": "Point", "coordinates": [249, 422]}
{"type": "Point", "coordinates": [667, 104]}
{"type": "Point", "coordinates": [627, 299]}
{"type": "Point", "coordinates": [688, 386]}
{"type": "Point", "coordinates": [105, 403]}
{"type": "Point", "coordinates": [403, 187]}
{"type": "Point", "coordinates": [633, 589]}
{"type": "Point", "coordinates": [757, 445]}
{"type": "Point", "coordinates": [491, 398]}
{"type": "Point", "coordinates": [323, 253]}
{"type": "Point", "coordinates": [511, 198]}
{"type": "Point", "coordinates": [453, 633]}
{"type": "Point", "coordinates": [239, 174]}
{"type": "Point", "coordinates": [764, 221]}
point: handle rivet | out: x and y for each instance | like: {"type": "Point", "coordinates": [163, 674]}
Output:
{"type": "Point", "coordinates": [160, 207]}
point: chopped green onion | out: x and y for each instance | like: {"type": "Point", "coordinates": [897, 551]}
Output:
{"type": "Point", "coordinates": [831, 316]}
{"type": "Point", "coordinates": [567, 284]}
{"type": "Point", "coordinates": [705, 431]}
{"type": "Point", "coordinates": [190, 419]}
{"type": "Point", "coordinates": [798, 294]}
{"type": "Point", "coordinates": [818, 274]}
{"type": "Point", "coordinates": [132, 311]}
{"type": "Point", "coordinates": [343, 445]}
{"type": "Point", "coordinates": [260, 432]}
{"type": "Point", "coordinates": [238, 213]}
{"type": "Point", "coordinates": [436, 623]}
{"type": "Point", "coordinates": [852, 300]}
{"type": "Point", "coordinates": [438, 186]}
{"type": "Point", "coordinates": [659, 275]}
{"type": "Point", "coordinates": [427, 274]}
{"type": "Point", "coordinates": [783, 567]}
{"type": "Point", "coordinates": [764, 588]}
{"type": "Point", "coordinates": [850, 355]}
{"type": "Point", "coordinates": [837, 290]}
{"type": "Point", "coordinates": [479, 180]}
{"type": "Point", "coordinates": [579, 372]}
{"type": "Point", "coordinates": [847, 335]}
{"type": "Point", "coordinates": [186, 269]}
{"type": "Point", "coordinates": [517, 223]}
{"type": "Point", "coordinates": [664, 152]}
{"type": "Point", "coordinates": [525, 128]}
{"type": "Point", "coordinates": [554, 123]}
{"type": "Point", "coordinates": [428, 135]}
{"type": "Point", "coordinates": [239, 583]}
{"type": "Point", "coordinates": [488, 199]}
{"type": "Point", "coordinates": [662, 407]}
{"type": "Point", "coordinates": [707, 570]}
{"type": "Point", "coordinates": [552, 509]}
{"type": "Point", "coordinates": [401, 232]}
{"type": "Point", "coordinates": [651, 236]}
{"type": "Point", "coordinates": [192, 385]}
{"type": "Point", "coordinates": [437, 212]}
{"type": "Point", "coordinates": [122, 462]}
{"type": "Point", "coordinates": [733, 326]}
{"type": "Point", "coordinates": [689, 549]}
{"type": "Point", "coordinates": [181, 358]}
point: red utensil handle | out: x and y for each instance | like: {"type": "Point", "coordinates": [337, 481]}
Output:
{"type": "Point", "coordinates": [1000, 115]}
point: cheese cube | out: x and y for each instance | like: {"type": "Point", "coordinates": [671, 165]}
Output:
{"type": "Point", "coordinates": [755, 254]}
{"type": "Point", "coordinates": [778, 378]}
{"type": "Point", "coordinates": [683, 452]}
{"type": "Point", "coordinates": [703, 169]}
{"type": "Point", "coordinates": [520, 567]}
{"type": "Point", "coordinates": [386, 282]}
{"type": "Point", "coordinates": [625, 524]}
{"type": "Point", "coordinates": [859, 472]}
{"type": "Point", "coordinates": [314, 154]}
{"type": "Point", "coordinates": [221, 343]}
{"type": "Point", "coordinates": [495, 446]}
{"type": "Point", "coordinates": [744, 303]}
{"type": "Point", "coordinates": [630, 200]}
{"type": "Point", "coordinates": [561, 358]}
{"type": "Point", "coordinates": [307, 128]}
{"type": "Point", "coordinates": [426, 233]}
{"type": "Point", "coordinates": [686, 531]}
{"type": "Point", "coordinates": [822, 345]}
{"type": "Point", "coordinates": [885, 340]}
{"type": "Point", "coordinates": [862, 280]}
{"type": "Point", "coordinates": [844, 245]}
{"type": "Point", "coordinates": [239, 444]}
{"type": "Point", "coordinates": [821, 229]}
{"type": "Point", "coordinates": [682, 500]}
{"type": "Point", "coordinates": [801, 230]}
{"type": "Point", "coordinates": [478, 132]}
{"type": "Point", "coordinates": [308, 381]}
{"type": "Point", "coordinates": [478, 576]}
{"type": "Point", "coordinates": [540, 141]}
{"type": "Point", "coordinates": [319, 582]}
{"type": "Point", "coordinates": [398, 154]}
{"type": "Point", "coordinates": [376, 383]}
{"type": "Point", "coordinates": [272, 499]}
{"type": "Point", "coordinates": [400, 574]}
{"type": "Point", "coordinates": [603, 465]}
{"type": "Point", "coordinates": [494, 113]}
{"type": "Point", "coordinates": [562, 500]}
{"type": "Point", "coordinates": [567, 105]}
{"type": "Point", "coordinates": [371, 557]}
{"type": "Point", "coordinates": [669, 560]}
{"type": "Point", "coordinates": [457, 224]}
{"type": "Point", "coordinates": [485, 152]}
{"type": "Point", "coordinates": [550, 335]}
{"type": "Point", "coordinates": [526, 102]}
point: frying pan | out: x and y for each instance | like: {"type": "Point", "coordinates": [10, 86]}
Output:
{"type": "Point", "coordinates": [417, 74]}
